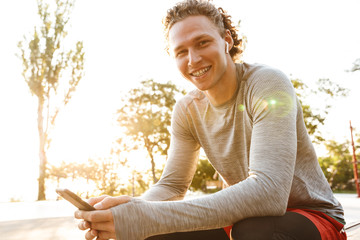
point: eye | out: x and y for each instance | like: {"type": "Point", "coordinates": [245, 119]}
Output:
{"type": "Point", "coordinates": [203, 43]}
{"type": "Point", "coordinates": [180, 53]}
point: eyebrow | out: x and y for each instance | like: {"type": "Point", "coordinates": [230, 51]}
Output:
{"type": "Point", "coordinates": [197, 38]}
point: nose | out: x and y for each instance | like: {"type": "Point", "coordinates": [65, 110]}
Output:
{"type": "Point", "coordinates": [193, 58]}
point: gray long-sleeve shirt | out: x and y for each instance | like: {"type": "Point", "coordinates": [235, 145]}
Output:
{"type": "Point", "coordinates": [257, 141]}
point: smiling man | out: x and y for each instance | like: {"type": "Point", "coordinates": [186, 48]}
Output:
{"type": "Point", "coordinates": [249, 122]}
{"type": "Point", "coordinates": [201, 55]}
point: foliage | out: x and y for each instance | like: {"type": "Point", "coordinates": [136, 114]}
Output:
{"type": "Point", "coordinates": [58, 172]}
{"type": "Point", "coordinates": [15, 199]}
{"type": "Point", "coordinates": [356, 65]}
{"type": "Point", "coordinates": [146, 117]}
{"type": "Point", "coordinates": [102, 172]}
{"type": "Point", "coordinates": [204, 172]}
{"type": "Point", "coordinates": [45, 63]}
{"type": "Point", "coordinates": [87, 171]}
{"type": "Point", "coordinates": [138, 185]}
{"type": "Point", "coordinates": [107, 177]}
{"type": "Point", "coordinates": [338, 166]}
{"type": "Point", "coordinates": [314, 118]}
{"type": "Point", "coordinates": [101, 176]}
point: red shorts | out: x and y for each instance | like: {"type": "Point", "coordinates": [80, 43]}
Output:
{"type": "Point", "coordinates": [329, 228]}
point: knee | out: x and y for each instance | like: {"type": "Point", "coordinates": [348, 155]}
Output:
{"type": "Point", "coordinates": [251, 228]}
{"type": "Point", "coordinates": [241, 230]}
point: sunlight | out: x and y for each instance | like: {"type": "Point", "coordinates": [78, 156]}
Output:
{"type": "Point", "coordinates": [119, 55]}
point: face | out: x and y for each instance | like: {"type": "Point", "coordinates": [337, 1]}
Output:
{"type": "Point", "coordinates": [199, 51]}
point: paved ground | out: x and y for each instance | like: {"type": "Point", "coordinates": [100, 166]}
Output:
{"type": "Point", "coordinates": [351, 204]}
{"type": "Point", "coordinates": [49, 220]}
{"type": "Point", "coordinates": [62, 228]}
{"type": "Point", "coordinates": [53, 220]}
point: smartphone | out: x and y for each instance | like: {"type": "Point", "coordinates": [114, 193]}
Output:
{"type": "Point", "coordinates": [74, 199]}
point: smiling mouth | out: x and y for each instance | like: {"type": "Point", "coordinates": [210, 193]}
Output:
{"type": "Point", "coordinates": [200, 72]}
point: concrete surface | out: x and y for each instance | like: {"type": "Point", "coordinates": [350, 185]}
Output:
{"type": "Point", "coordinates": [61, 228]}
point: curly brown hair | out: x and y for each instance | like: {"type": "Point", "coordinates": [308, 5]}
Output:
{"type": "Point", "coordinates": [218, 16]}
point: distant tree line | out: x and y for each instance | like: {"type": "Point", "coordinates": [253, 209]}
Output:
{"type": "Point", "coordinates": [103, 174]}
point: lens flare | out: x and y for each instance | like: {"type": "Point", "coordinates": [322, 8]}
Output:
{"type": "Point", "coordinates": [279, 102]}
{"type": "Point", "coordinates": [272, 102]}
{"type": "Point", "coordinates": [241, 107]}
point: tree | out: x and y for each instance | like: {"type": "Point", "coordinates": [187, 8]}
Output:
{"type": "Point", "coordinates": [337, 166]}
{"type": "Point", "coordinates": [108, 182]}
{"type": "Point", "coordinates": [88, 171]}
{"type": "Point", "coordinates": [356, 65]}
{"type": "Point", "coordinates": [204, 172]}
{"type": "Point", "coordinates": [146, 117]}
{"type": "Point", "coordinates": [45, 62]}
{"type": "Point", "coordinates": [58, 172]}
{"type": "Point", "coordinates": [313, 118]}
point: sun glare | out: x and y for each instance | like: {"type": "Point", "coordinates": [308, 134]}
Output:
{"type": "Point", "coordinates": [119, 55]}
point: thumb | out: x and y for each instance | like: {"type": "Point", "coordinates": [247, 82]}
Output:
{"type": "Point", "coordinates": [110, 202]}
{"type": "Point", "coordinates": [92, 201]}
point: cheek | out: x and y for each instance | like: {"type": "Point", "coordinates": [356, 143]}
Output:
{"type": "Point", "coordinates": [181, 65]}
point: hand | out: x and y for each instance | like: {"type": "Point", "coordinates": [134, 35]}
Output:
{"type": "Point", "coordinates": [100, 221]}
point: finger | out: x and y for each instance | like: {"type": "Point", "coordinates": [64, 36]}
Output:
{"type": "Point", "coordinates": [83, 225]}
{"type": "Point", "coordinates": [103, 226]}
{"type": "Point", "coordinates": [110, 202]}
{"type": "Point", "coordinates": [106, 235]}
{"type": "Point", "coordinates": [99, 238]}
{"type": "Point", "coordinates": [77, 214]}
{"type": "Point", "coordinates": [94, 216]}
{"type": "Point", "coordinates": [89, 235]}
{"type": "Point", "coordinates": [92, 201]}
{"type": "Point", "coordinates": [94, 232]}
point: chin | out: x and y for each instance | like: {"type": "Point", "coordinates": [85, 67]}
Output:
{"type": "Point", "coordinates": [201, 88]}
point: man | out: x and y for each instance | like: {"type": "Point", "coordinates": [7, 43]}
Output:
{"type": "Point", "coordinates": [249, 123]}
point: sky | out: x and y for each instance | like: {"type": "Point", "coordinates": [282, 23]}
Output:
{"type": "Point", "coordinates": [124, 45]}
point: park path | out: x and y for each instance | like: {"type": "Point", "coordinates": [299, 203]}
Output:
{"type": "Point", "coordinates": [53, 219]}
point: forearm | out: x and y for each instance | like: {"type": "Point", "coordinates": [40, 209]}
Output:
{"type": "Point", "coordinates": [214, 211]}
{"type": "Point", "coordinates": [164, 192]}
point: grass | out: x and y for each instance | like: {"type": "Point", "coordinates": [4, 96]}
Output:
{"type": "Point", "coordinates": [345, 191]}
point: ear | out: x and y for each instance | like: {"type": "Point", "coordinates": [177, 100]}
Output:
{"type": "Point", "coordinates": [228, 39]}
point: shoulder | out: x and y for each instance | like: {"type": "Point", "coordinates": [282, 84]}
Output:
{"type": "Point", "coordinates": [260, 78]}
{"type": "Point", "coordinates": [191, 99]}
{"type": "Point", "coordinates": [267, 90]}
{"type": "Point", "coordinates": [256, 72]}
{"type": "Point", "coordinates": [183, 113]}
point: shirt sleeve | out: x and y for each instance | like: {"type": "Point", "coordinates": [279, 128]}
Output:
{"type": "Point", "coordinates": [271, 105]}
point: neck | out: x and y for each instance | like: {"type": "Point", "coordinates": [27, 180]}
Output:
{"type": "Point", "coordinates": [225, 89]}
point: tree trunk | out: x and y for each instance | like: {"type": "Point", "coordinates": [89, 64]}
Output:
{"type": "Point", "coordinates": [153, 167]}
{"type": "Point", "coordinates": [133, 183]}
{"type": "Point", "coordinates": [149, 150]}
{"type": "Point", "coordinates": [42, 153]}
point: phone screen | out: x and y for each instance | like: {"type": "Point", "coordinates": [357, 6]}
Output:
{"type": "Point", "coordinates": [74, 199]}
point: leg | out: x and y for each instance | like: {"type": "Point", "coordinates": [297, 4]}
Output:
{"type": "Point", "coordinates": [215, 234]}
{"type": "Point", "coordinates": [291, 226]}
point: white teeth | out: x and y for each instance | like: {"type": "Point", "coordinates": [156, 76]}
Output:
{"type": "Point", "coordinates": [200, 72]}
